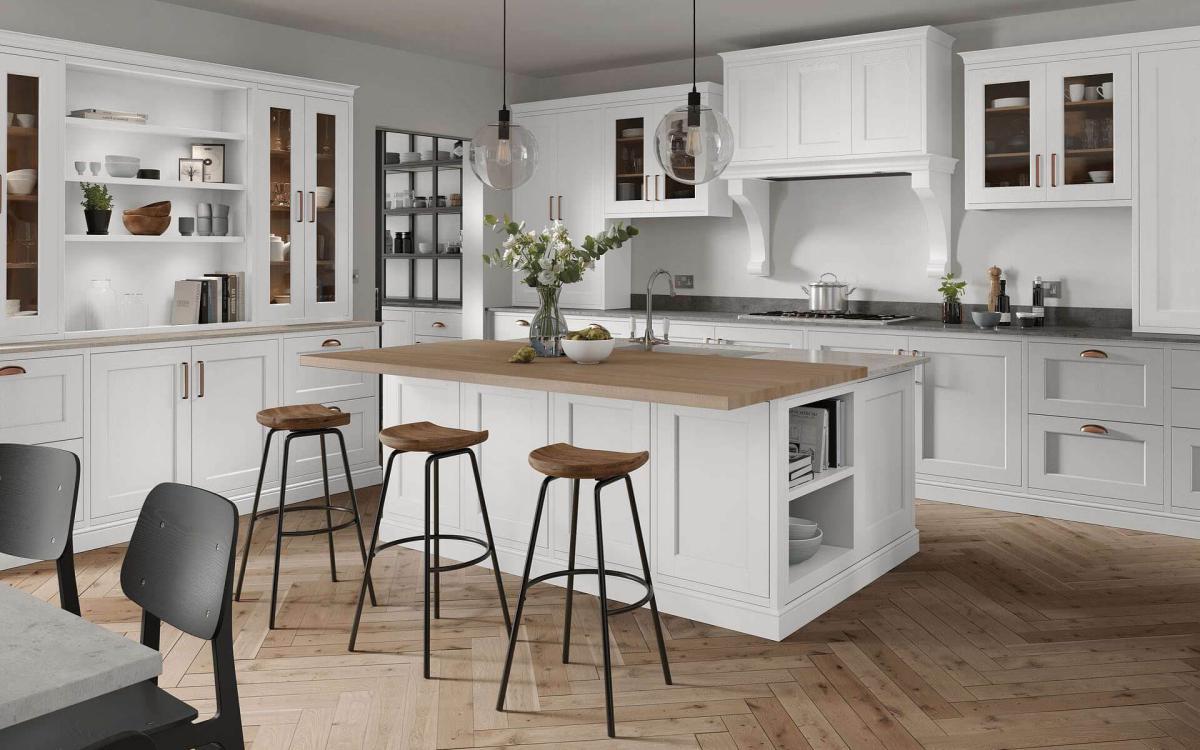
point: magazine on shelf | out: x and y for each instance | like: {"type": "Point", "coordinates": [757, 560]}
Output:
{"type": "Point", "coordinates": [808, 427]}
{"type": "Point", "coordinates": [186, 309]}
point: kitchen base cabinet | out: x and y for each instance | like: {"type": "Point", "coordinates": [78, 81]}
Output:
{"type": "Point", "coordinates": [41, 399]}
{"type": "Point", "coordinates": [1114, 460]}
{"type": "Point", "coordinates": [1185, 469]}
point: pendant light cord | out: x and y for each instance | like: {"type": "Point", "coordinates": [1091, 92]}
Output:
{"type": "Point", "coordinates": [693, 44]}
{"type": "Point", "coordinates": [504, 54]}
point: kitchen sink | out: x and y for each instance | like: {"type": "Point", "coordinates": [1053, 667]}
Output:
{"type": "Point", "coordinates": [699, 349]}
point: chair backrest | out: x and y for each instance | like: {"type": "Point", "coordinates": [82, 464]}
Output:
{"type": "Point", "coordinates": [125, 741]}
{"type": "Point", "coordinates": [38, 487]}
{"type": "Point", "coordinates": [180, 558]}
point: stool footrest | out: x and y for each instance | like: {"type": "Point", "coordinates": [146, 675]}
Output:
{"type": "Point", "coordinates": [613, 573]}
{"type": "Point", "coordinates": [487, 550]}
{"type": "Point", "coordinates": [310, 508]}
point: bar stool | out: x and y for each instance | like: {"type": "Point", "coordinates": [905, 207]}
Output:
{"type": "Point", "coordinates": [300, 421]}
{"type": "Point", "coordinates": [440, 443]}
{"type": "Point", "coordinates": [562, 461]}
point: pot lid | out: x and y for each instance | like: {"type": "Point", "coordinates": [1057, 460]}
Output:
{"type": "Point", "coordinates": [821, 282]}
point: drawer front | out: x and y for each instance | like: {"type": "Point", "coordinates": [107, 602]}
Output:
{"type": "Point", "coordinates": [41, 399]}
{"type": "Point", "coordinates": [430, 323]}
{"type": "Point", "coordinates": [774, 337]}
{"type": "Point", "coordinates": [1185, 408]}
{"type": "Point", "coordinates": [1185, 468]}
{"type": "Point", "coordinates": [434, 339]}
{"type": "Point", "coordinates": [1185, 368]}
{"type": "Point", "coordinates": [362, 444]}
{"type": "Point", "coordinates": [318, 385]}
{"type": "Point", "coordinates": [618, 327]}
{"type": "Point", "coordinates": [688, 333]}
{"type": "Point", "coordinates": [510, 327]}
{"type": "Point", "coordinates": [1117, 460]}
{"type": "Point", "coordinates": [1096, 382]}
{"type": "Point", "coordinates": [397, 328]}
{"type": "Point", "coordinates": [836, 341]}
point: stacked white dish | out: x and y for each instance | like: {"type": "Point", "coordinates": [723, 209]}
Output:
{"type": "Point", "coordinates": [22, 181]}
{"type": "Point", "coordinates": [407, 156]}
{"type": "Point", "coordinates": [804, 539]}
{"type": "Point", "coordinates": [122, 166]}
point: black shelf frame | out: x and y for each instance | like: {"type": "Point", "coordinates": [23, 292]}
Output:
{"type": "Point", "coordinates": [383, 253]}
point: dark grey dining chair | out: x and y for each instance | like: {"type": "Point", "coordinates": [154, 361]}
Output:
{"type": "Point", "coordinates": [38, 490]}
{"type": "Point", "coordinates": [125, 741]}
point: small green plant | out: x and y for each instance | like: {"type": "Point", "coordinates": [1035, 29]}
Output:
{"type": "Point", "coordinates": [951, 288]}
{"type": "Point", "coordinates": [96, 197]}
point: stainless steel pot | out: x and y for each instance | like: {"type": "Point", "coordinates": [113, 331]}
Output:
{"type": "Point", "coordinates": [828, 296]}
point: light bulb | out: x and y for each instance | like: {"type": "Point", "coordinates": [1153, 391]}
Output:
{"type": "Point", "coordinates": [504, 152]}
{"type": "Point", "coordinates": [695, 141]}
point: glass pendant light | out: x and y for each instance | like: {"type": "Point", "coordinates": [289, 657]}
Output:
{"type": "Point", "coordinates": [693, 143]}
{"type": "Point", "coordinates": [503, 154]}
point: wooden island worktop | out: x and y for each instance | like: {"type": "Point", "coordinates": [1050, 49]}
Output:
{"type": "Point", "coordinates": [715, 381]}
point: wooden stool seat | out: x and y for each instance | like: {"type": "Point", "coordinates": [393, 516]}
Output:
{"type": "Point", "coordinates": [303, 417]}
{"type": "Point", "coordinates": [570, 462]}
{"type": "Point", "coordinates": [427, 437]}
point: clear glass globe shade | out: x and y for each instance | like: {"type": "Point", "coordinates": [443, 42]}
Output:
{"type": "Point", "coordinates": [503, 163]}
{"type": "Point", "coordinates": [693, 144]}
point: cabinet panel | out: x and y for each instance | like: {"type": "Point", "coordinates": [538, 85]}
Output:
{"type": "Point", "coordinates": [1185, 469]}
{"type": "Point", "coordinates": [1005, 139]}
{"type": "Point", "coordinates": [278, 169]}
{"type": "Point", "coordinates": [397, 329]}
{"type": "Point", "coordinates": [441, 323]}
{"type": "Point", "coordinates": [140, 431]}
{"type": "Point", "coordinates": [327, 212]}
{"type": "Point", "coordinates": [1089, 128]}
{"type": "Point", "coordinates": [777, 337]}
{"type": "Point", "coordinates": [819, 111]}
{"type": "Point", "coordinates": [41, 399]}
{"type": "Point", "coordinates": [969, 399]}
{"type": "Point", "coordinates": [234, 381]}
{"type": "Point", "coordinates": [712, 513]}
{"type": "Point", "coordinates": [887, 100]}
{"type": "Point", "coordinates": [1097, 381]}
{"type": "Point", "coordinates": [758, 110]}
{"type": "Point", "coordinates": [685, 333]}
{"type": "Point", "coordinates": [362, 445]}
{"type": "Point", "coordinates": [1185, 368]}
{"type": "Point", "coordinates": [883, 413]}
{"type": "Point", "coordinates": [836, 341]}
{"type": "Point", "coordinates": [1185, 408]}
{"type": "Point", "coordinates": [1116, 460]}
{"type": "Point", "coordinates": [311, 385]}
{"type": "Point", "coordinates": [407, 400]}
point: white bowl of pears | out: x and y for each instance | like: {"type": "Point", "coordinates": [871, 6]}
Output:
{"type": "Point", "coordinates": [589, 346]}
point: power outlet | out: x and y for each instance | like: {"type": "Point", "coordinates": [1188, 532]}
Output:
{"type": "Point", "coordinates": [685, 281]}
{"type": "Point", "coordinates": [1052, 289]}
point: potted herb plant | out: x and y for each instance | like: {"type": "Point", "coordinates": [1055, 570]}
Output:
{"type": "Point", "coordinates": [97, 207]}
{"type": "Point", "coordinates": [952, 290]}
{"type": "Point", "coordinates": [547, 260]}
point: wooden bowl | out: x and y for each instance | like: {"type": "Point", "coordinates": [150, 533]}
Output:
{"type": "Point", "coordinates": [153, 225]}
{"type": "Point", "coordinates": [162, 208]}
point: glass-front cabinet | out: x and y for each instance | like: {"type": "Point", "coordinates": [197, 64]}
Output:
{"type": "Point", "coordinates": [31, 96]}
{"type": "Point", "coordinates": [1055, 133]}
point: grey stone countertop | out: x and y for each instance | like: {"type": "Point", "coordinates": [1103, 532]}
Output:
{"type": "Point", "coordinates": [918, 326]}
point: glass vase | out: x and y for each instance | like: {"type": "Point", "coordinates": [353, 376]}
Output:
{"type": "Point", "coordinates": [548, 326]}
{"type": "Point", "coordinates": [951, 312]}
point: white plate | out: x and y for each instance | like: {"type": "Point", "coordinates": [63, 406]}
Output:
{"type": "Point", "coordinates": [1010, 101]}
{"type": "Point", "coordinates": [632, 132]}
{"type": "Point", "coordinates": [409, 156]}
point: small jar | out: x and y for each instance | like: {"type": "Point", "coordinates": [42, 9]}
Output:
{"type": "Point", "coordinates": [441, 201]}
{"type": "Point", "coordinates": [418, 203]}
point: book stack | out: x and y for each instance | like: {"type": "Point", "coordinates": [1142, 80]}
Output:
{"type": "Point", "coordinates": [817, 428]}
{"type": "Point", "coordinates": [109, 114]}
{"type": "Point", "coordinates": [212, 298]}
{"type": "Point", "coordinates": [800, 465]}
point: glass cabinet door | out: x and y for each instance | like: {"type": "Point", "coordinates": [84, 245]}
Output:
{"type": "Point", "coordinates": [1088, 121]}
{"type": "Point", "coordinates": [631, 166]}
{"type": "Point", "coordinates": [668, 193]}
{"type": "Point", "coordinates": [281, 248]}
{"type": "Point", "coordinates": [1005, 113]}
{"type": "Point", "coordinates": [31, 139]}
{"type": "Point", "coordinates": [326, 225]}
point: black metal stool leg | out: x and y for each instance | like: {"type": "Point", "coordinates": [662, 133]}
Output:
{"type": "Point", "coordinates": [516, 625]}
{"type": "Point", "coordinates": [262, 470]}
{"type": "Point", "coordinates": [428, 462]}
{"type": "Point", "coordinates": [287, 444]}
{"type": "Point", "coordinates": [637, 530]}
{"type": "Point", "coordinates": [362, 592]}
{"type": "Point", "coordinates": [362, 547]}
{"type": "Point", "coordinates": [571, 566]}
{"type": "Point", "coordinates": [608, 690]}
{"type": "Point", "coordinates": [487, 531]}
{"type": "Point", "coordinates": [328, 512]}
{"type": "Point", "coordinates": [437, 543]}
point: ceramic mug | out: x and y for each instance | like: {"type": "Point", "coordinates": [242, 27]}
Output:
{"type": "Point", "coordinates": [1075, 92]}
{"type": "Point", "coordinates": [1105, 90]}
{"type": "Point", "coordinates": [204, 226]}
{"type": "Point", "coordinates": [1091, 93]}
{"type": "Point", "coordinates": [12, 306]}
{"type": "Point", "coordinates": [187, 226]}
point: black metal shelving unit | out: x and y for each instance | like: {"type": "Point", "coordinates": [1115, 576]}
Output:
{"type": "Point", "coordinates": [406, 219]}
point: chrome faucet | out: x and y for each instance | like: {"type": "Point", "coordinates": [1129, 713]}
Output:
{"type": "Point", "coordinates": [648, 339]}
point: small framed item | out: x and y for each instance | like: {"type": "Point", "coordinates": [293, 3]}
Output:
{"type": "Point", "coordinates": [213, 156]}
{"type": "Point", "coordinates": [191, 170]}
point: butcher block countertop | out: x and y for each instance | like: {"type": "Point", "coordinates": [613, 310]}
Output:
{"type": "Point", "coordinates": [722, 378]}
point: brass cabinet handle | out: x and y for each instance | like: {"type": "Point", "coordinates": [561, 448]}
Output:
{"type": "Point", "coordinates": [1093, 354]}
{"type": "Point", "coordinates": [186, 383]}
{"type": "Point", "coordinates": [560, 208]}
{"type": "Point", "coordinates": [200, 373]}
{"type": "Point", "coordinates": [12, 370]}
{"type": "Point", "coordinates": [312, 198]}
{"type": "Point", "coordinates": [900, 352]}
{"type": "Point", "coordinates": [1037, 170]}
{"type": "Point", "coordinates": [438, 324]}
{"type": "Point", "coordinates": [550, 208]}
{"type": "Point", "coordinates": [522, 322]}
{"type": "Point", "coordinates": [330, 342]}
{"type": "Point", "coordinates": [1094, 429]}
{"type": "Point", "coordinates": [334, 408]}
{"type": "Point", "coordinates": [1053, 170]}
{"type": "Point", "coordinates": [299, 206]}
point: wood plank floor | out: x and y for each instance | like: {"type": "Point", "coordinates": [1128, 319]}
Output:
{"type": "Point", "coordinates": [1006, 631]}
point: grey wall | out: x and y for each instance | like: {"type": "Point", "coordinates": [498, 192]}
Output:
{"type": "Point", "coordinates": [870, 231]}
{"type": "Point", "coordinates": [397, 89]}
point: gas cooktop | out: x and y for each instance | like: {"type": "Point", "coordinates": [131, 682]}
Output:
{"type": "Point", "coordinates": [843, 318]}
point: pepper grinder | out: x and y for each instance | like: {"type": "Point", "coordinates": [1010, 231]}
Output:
{"type": "Point", "coordinates": [994, 289]}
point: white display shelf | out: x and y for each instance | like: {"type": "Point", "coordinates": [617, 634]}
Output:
{"type": "Point", "coordinates": [116, 126]}
{"type": "Point", "coordinates": [822, 480]}
{"type": "Point", "coordinates": [818, 568]}
{"type": "Point", "coordinates": [168, 184]}
{"type": "Point", "coordinates": [149, 239]}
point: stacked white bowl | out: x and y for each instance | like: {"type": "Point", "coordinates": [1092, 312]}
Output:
{"type": "Point", "coordinates": [22, 181]}
{"type": "Point", "coordinates": [804, 539]}
{"type": "Point", "coordinates": [122, 166]}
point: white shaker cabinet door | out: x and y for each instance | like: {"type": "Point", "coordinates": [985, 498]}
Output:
{"type": "Point", "coordinates": [712, 505]}
{"type": "Point", "coordinates": [969, 399]}
{"type": "Point", "coordinates": [887, 100]}
{"type": "Point", "coordinates": [757, 108]}
{"type": "Point", "coordinates": [140, 432]}
{"type": "Point", "coordinates": [1185, 469]}
{"type": "Point", "coordinates": [818, 99]}
{"type": "Point", "coordinates": [883, 414]}
{"type": "Point", "coordinates": [407, 400]}
{"type": "Point", "coordinates": [234, 382]}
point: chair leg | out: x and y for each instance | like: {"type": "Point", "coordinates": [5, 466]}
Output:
{"type": "Point", "coordinates": [262, 470]}
{"type": "Point", "coordinates": [571, 566]}
{"type": "Point", "coordinates": [487, 531]}
{"type": "Point", "coordinates": [437, 543]}
{"type": "Point", "coordinates": [362, 592]}
{"type": "Point", "coordinates": [68, 587]}
{"type": "Point", "coordinates": [287, 445]}
{"type": "Point", "coordinates": [428, 463]}
{"type": "Point", "coordinates": [516, 625]}
{"type": "Point", "coordinates": [362, 547]}
{"type": "Point", "coordinates": [328, 512]}
{"type": "Point", "coordinates": [604, 641]}
{"type": "Point", "coordinates": [637, 530]}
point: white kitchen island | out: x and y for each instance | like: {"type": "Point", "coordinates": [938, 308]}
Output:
{"type": "Point", "coordinates": [715, 494]}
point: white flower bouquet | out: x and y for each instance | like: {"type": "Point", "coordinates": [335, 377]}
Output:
{"type": "Point", "coordinates": [549, 258]}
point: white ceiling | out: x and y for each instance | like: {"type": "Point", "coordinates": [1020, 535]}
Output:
{"type": "Point", "coordinates": [558, 37]}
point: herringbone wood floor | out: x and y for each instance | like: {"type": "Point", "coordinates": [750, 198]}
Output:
{"type": "Point", "coordinates": [1006, 631]}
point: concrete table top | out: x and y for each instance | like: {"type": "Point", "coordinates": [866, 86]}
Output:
{"type": "Point", "coordinates": [51, 659]}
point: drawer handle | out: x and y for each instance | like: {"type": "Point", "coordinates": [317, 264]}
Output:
{"type": "Point", "coordinates": [187, 387]}
{"type": "Point", "coordinates": [1093, 354]}
{"type": "Point", "coordinates": [12, 370]}
{"type": "Point", "coordinates": [334, 408]}
{"type": "Point", "coordinates": [330, 342]}
{"type": "Point", "coordinates": [523, 323]}
{"type": "Point", "coordinates": [438, 324]}
{"type": "Point", "coordinates": [1094, 429]}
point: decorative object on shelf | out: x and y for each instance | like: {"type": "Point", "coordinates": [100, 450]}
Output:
{"type": "Point", "coordinates": [204, 226]}
{"type": "Point", "coordinates": [24, 121]}
{"type": "Point", "coordinates": [986, 319]}
{"type": "Point", "coordinates": [187, 226]}
{"type": "Point", "coordinates": [591, 346]}
{"type": "Point", "coordinates": [101, 305]}
{"type": "Point", "coordinates": [323, 196]}
{"type": "Point", "coordinates": [110, 114]}
{"type": "Point", "coordinates": [503, 155]}
{"type": "Point", "coordinates": [121, 167]}
{"type": "Point", "coordinates": [951, 290]}
{"type": "Point", "coordinates": [80, 167]}
{"type": "Point", "coordinates": [212, 157]}
{"type": "Point", "coordinates": [456, 200]}
{"type": "Point", "coordinates": [693, 143]}
{"type": "Point", "coordinates": [151, 219]}
{"type": "Point", "coordinates": [993, 288]}
{"type": "Point", "coordinates": [94, 168]}
{"type": "Point", "coordinates": [191, 170]}
{"type": "Point", "coordinates": [97, 207]}
{"type": "Point", "coordinates": [523, 356]}
{"type": "Point", "coordinates": [22, 181]}
{"type": "Point", "coordinates": [148, 174]}
{"type": "Point", "coordinates": [547, 260]}
{"type": "Point", "coordinates": [279, 249]}
{"type": "Point", "coordinates": [131, 310]}
{"type": "Point", "coordinates": [457, 151]}
{"type": "Point", "coordinates": [220, 226]}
